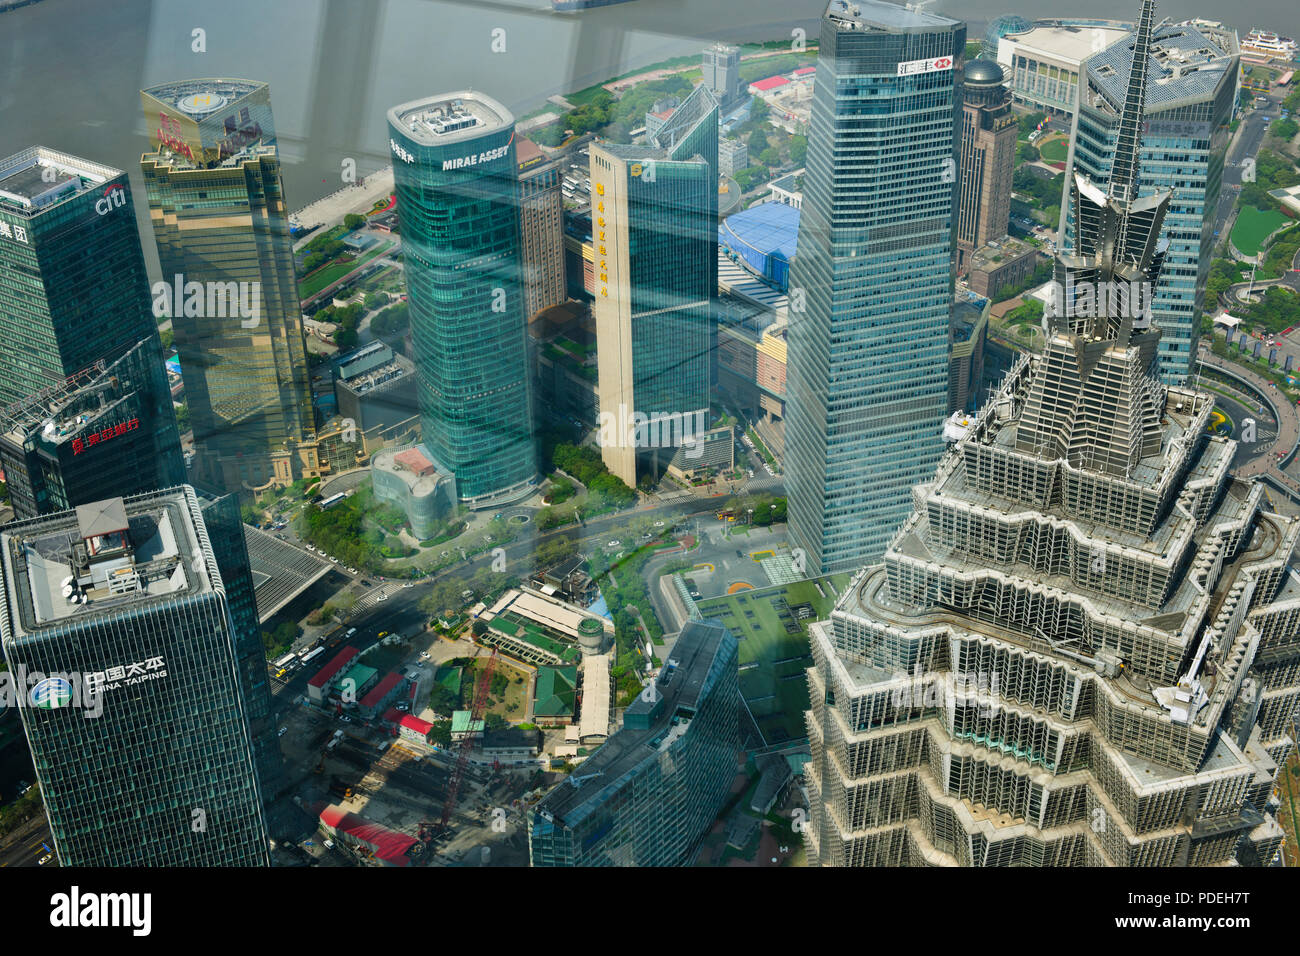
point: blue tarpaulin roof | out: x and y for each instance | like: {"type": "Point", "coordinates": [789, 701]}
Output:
{"type": "Point", "coordinates": [765, 237]}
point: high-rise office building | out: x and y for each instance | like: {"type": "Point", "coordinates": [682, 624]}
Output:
{"type": "Point", "coordinates": [457, 188]}
{"type": "Point", "coordinates": [721, 73]}
{"type": "Point", "coordinates": [988, 158]}
{"type": "Point", "coordinates": [216, 202]}
{"type": "Point", "coordinates": [107, 430]}
{"type": "Point", "coordinates": [225, 529]}
{"type": "Point", "coordinates": [655, 239]}
{"type": "Point", "coordinates": [541, 228]}
{"type": "Point", "coordinates": [137, 719]}
{"type": "Point", "coordinates": [1190, 100]}
{"type": "Point", "coordinates": [651, 791]}
{"type": "Point", "coordinates": [73, 286]}
{"type": "Point", "coordinates": [1080, 647]}
{"type": "Point", "coordinates": [870, 290]}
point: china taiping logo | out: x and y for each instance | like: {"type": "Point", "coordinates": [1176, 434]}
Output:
{"type": "Point", "coordinates": [52, 693]}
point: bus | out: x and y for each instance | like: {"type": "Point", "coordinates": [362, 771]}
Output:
{"type": "Point", "coordinates": [312, 655]}
{"type": "Point", "coordinates": [284, 661]}
{"type": "Point", "coordinates": [332, 500]}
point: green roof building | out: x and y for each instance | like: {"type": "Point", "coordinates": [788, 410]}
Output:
{"type": "Point", "coordinates": [462, 725]}
{"type": "Point", "coordinates": [555, 695]}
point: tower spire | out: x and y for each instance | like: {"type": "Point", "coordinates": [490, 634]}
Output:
{"type": "Point", "coordinates": [1124, 172]}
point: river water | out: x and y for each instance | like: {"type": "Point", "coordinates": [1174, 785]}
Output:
{"type": "Point", "coordinates": [71, 70]}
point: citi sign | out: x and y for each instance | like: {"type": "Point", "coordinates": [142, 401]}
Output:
{"type": "Point", "coordinates": [114, 198]}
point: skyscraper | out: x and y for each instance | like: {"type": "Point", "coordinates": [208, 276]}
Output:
{"type": "Point", "coordinates": [541, 228]}
{"type": "Point", "coordinates": [117, 612]}
{"type": "Point", "coordinates": [655, 238]}
{"type": "Point", "coordinates": [1079, 649]}
{"type": "Point", "coordinates": [107, 430]}
{"type": "Point", "coordinates": [720, 67]}
{"type": "Point", "coordinates": [1190, 101]}
{"type": "Point", "coordinates": [216, 202]}
{"type": "Point", "coordinates": [455, 172]}
{"type": "Point", "coordinates": [651, 791]}
{"type": "Point", "coordinates": [870, 290]}
{"type": "Point", "coordinates": [73, 287]}
{"type": "Point", "coordinates": [988, 156]}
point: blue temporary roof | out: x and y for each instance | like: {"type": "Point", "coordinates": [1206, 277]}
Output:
{"type": "Point", "coordinates": [764, 237]}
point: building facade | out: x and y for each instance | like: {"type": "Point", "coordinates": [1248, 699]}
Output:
{"type": "Point", "coordinates": [1185, 136]}
{"type": "Point", "coordinates": [720, 66]}
{"type": "Point", "coordinates": [651, 791]}
{"type": "Point", "coordinates": [109, 430]}
{"type": "Point", "coordinates": [139, 730]}
{"type": "Point", "coordinates": [871, 286]}
{"type": "Point", "coordinates": [988, 158]}
{"type": "Point", "coordinates": [541, 229]}
{"type": "Point", "coordinates": [1080, 648]}
{"type": "Point", "coordinates": [1043, 64]}
{"type": "Point", "coordinates": [67, 225]}
{"type": "Point", "coordinates": [217, 206]}
{"type": "Point", "coordinates": [654, 221]}
{"type": "Point", "coordinates": [455, 172]}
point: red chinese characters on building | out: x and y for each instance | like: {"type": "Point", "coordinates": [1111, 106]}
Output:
{"type": "Point", "coordinates": [98, 438]}
{"type": "Point", "coordinates": [171, 135]}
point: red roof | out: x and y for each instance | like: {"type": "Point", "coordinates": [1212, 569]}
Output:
{"type": "Point", "coordinates": [415, 461]}
{"type": "Point", "coordinates": [666, 113]}
{"type": "Point", "coordinates": [771, 83]}
{"type": "Point", "coordinates": [391, 716]}
{"type": "Point", "coordinates": [387, 845]}
{"type": "Point", "coordinates": [804, 71]}
{"type": "Point", "coordinates": [381, 690]}
{"type": "Point", "coordinates": [416, 724]}
{"type": "Point", "coordinates": [336, 664]}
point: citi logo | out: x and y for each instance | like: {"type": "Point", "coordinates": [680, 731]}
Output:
{"type": "Point", "coordinates": [114, 198]}
{"type": "Point", "coordinates": [76, 909]}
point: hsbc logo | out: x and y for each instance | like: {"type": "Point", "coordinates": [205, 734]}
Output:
{"type": "Point", "coordinates": [114, 198]}
{"type": "Point", "coordinates": [932, 65]}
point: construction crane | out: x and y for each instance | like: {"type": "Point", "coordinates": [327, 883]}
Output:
{"type": "Point", "coordinates": [476, 711]}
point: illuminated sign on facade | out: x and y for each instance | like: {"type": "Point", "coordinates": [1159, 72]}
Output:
{"type": "Point", "coordinates": [98, 438]}
{"type": "Point", "coordinates": [909, 67]}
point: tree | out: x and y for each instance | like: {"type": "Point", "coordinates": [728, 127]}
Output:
{"type": "Point", "coordinates": [183, 418]}
{"type": "Point", "coordinates": [770, 156]}
{"type": "Point", "coordinates": [441, 733]}
{"type": "Point", "coordinates": [479, 627]}
{"type": "Point", "coordinates": [759, 111]}
{"type": "Point", "coordinates": [345, 339]}
{"type": "Point", "coordinates": [494, 721]}
{"type": "Point", "coordinates": [1027, 153]}
{"type": "Point", "coordinates": [798, 148]}
{"type": "Point", "coordinates": [353, 221]}
{"type": "Point", "coordinates": [757, 143]}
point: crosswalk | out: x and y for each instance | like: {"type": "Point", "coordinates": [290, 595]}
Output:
{"type": "Point", "coordinates": [377, 596]}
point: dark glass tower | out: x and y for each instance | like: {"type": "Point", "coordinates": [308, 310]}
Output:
{"type": "Point", "coordinates": [73, 287]}
{"type": "Point", "coordinates": [871, 288]}
{"type": "Point", "coordinates": [455, 173]}
{"type": "Point", "coordinates": [652, 790]}
{"type": "Point", "coordinates": [216, 202]}
{"type": "Point", "coordinates": [119, 615]}
{"type": "Point", "coordinates": [109, 430]}
{"type": "Point", "coordinates": [655, 239]}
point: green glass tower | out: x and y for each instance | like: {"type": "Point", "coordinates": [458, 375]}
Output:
{"type": "Point", "coordinates": [457, 200]}
{"type": "Point", "coordinates": [73, 287]}
{"type": "Point", "coordinates": [655, 239]}
{"type": "Point", "coordinates": [118, 617]}
{"type": "Point", "coordinates": [217, 206]}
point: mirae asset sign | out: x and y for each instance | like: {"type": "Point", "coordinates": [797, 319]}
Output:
{"type": "Point", "coordinates": [460, 162]}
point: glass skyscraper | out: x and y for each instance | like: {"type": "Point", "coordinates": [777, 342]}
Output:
{"type": "Point", "coordinates": [118, 616]}
{"type": "Point", "coordinates": [651, 791]}
{"type": "Point", "coordinates": [871, 288]}
{"type": "Point", "coordinates": [655, 241]}
{"type": "Point", "coordinates": [455, 174]}
{"type": "Point", "coordinates": [1190, 101]}
{"type": "Point", "coordinates": [216, 202]}
{"type": "Point", "coordinates": [108, 430]}
{"type": "Point", "coordinates": [73, 287]}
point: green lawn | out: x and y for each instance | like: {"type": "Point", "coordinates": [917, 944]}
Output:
{"type": "Point", "coordinates": [1253, 226]}
{"type": "Point", "coordinates": [1055, 150]}
{"type": "Point", "coordinates": [327, 275]}
{"type": "Point", "coordinates": [772, 660]}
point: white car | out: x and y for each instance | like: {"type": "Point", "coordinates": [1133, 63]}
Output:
{"type": "Point", "coordinates": [334, 560]}
{"type": "Point", "coordinates": [353, 570]}
{"type": "Point", "coordinates": [408, 584]}
{"type": "Point", "coordinates": [311, 549]}
{"type": "Point", "coordinates": [424, 655]}
{"type": "Point", "coordinates": [659, 524]}
{"type": "Point", "coordinates": [329, 844]}
{"type": "Point", "coordinates": [382, 597]}
{"type": "Point", "coordinates": [283, 731]}
{"type": "Point", "coordinates": [613, 544]}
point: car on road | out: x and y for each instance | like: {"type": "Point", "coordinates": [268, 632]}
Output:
{"type": "Point", "coordinates": [407, 584]}
{"type": "Point", "coordinates": [346, 719]}
{"type": "Point", "coordinates": [659, 524]}
{"type": "Point", "coordinates": [329, 844]}
{"type": "Point", "coordinates": [45, 859]}
{"type": "Point", "coordinates": [352, 570]}
{"type": "Point", "coordinates": [311, 549]}
{"type": "Point", "coordinates": [382, 596]}
{"type": "Point", "coordinates": [283, 731]}
{"type": "Point", "coordinates": [334, 560]}
{"type": "Point", "coordinates": [612, 544]}
{"type": "Point", "coordinates": [424, 655]}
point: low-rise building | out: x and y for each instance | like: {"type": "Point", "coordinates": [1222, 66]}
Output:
{"type": "Point", "coordinates": [379, 697]}
{"type": "Point", "coordinates": [512, 744]}
{"type": "Point", "coordinates": [555, 696]}
{"type": "Point", "coordinates": [375, 387]}
{"type": "Point", "coordinates": [1004, 262]}
{"type": "Point", "coordinates": [410, 479]}
{"type": "Point", "coordinates": [317, 685]}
